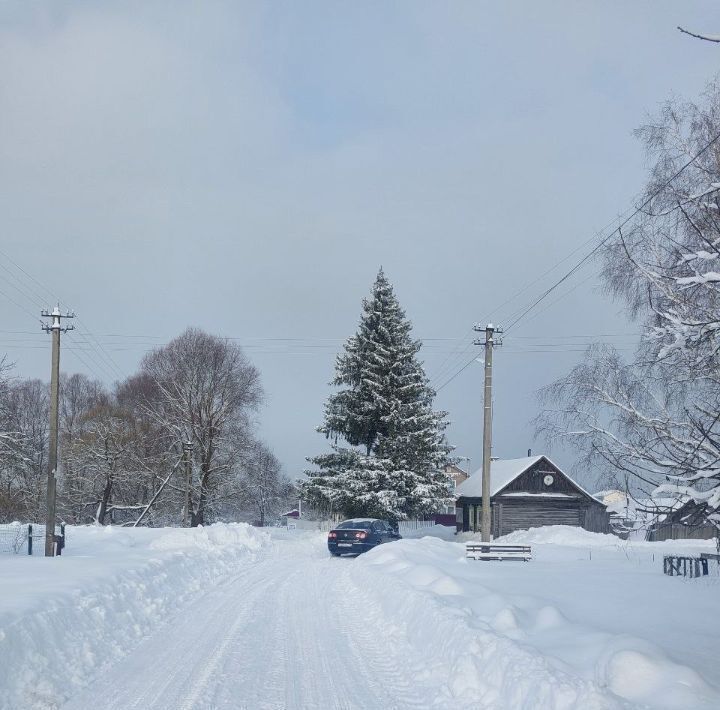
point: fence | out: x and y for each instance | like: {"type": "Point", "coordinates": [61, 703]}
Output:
{"type": "Point", "coordinates": [326, 525]}
{"type": "Point", "coordinates": [685, 566]}
{"type": "Point", "coordinates": [303, 524]}
{"type": "Point", "coordinates": [17, 538]}
{"type": "Point", "coordinates": [410, 525]}
{"type": "Point", "coordinates": [678, 531]}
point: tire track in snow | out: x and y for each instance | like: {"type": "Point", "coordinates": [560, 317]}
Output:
{"type": "Point", "coordinates": [390, 670]}
{"type": "Point", "coordinates": [271, 638]}
{"type": "Point", "coordinates": [170, 667]}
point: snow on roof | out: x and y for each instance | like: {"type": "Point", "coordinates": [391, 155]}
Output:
{"type": "Point", "coordinates": [522, 494]}
{"type": "Point", "coordinates": [503, 472]}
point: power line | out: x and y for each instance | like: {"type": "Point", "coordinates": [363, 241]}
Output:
{"type": "Point", "coordinates": [618, 229]}
{"type": "Point", "coordinates": [592, 252]}
{"type": "Point", "coordinates": [22, 308]}
{"type": "Point", "coordinates": [462, 369]}
{"type": "Point", "coordinates": [437, 374]}
{"type": "Point", "coordinates": [33, 295]}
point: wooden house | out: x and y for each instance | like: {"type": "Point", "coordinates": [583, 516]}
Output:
{"type": "Point", "coordinates": [686, 521]}
{"type": "Point", "coordinates": [528, 493]}
{"type": "Point", "coordinates": [455, 474]}
{"type": "Point", "coordinates": [446, 515]}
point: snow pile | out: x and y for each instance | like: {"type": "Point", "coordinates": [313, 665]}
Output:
{"type": "Point", "coordinates": [473, 643]}
{"type": "Point", "coordinates": [211, 539]}
{"type": "Point", "coordinates": [444, 532]}
{"type": "Point", "coordinates": [62, 619]}
{"type": "Point", "coordinates": [565, 535]}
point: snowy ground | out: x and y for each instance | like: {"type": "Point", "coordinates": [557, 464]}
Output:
{"type": "Point", "coordinates": [233, 617]}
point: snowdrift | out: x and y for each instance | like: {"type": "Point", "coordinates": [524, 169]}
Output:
{"type": "Point", "coordinates": [559, 535]}
{"type": "Point", "coordinates": [62, 619]}
{"type": "Point", "coordinates": [488, 649]}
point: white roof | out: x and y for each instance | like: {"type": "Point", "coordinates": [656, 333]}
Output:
{"type": "Point", "coordinates": [502, 472]}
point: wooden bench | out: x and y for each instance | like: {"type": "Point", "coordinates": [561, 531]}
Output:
{"type": "Point", "coordinates": [492, 551]}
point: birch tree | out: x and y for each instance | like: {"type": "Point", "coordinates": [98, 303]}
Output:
{"type": "Point", "coordinates": [658, 416]}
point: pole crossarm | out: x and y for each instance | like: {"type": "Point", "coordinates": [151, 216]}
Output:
{"type": "Point", "coordinates": [56, 318]}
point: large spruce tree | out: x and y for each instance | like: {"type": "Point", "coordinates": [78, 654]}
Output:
{"type": "Point", "coordinates": [391, 465]}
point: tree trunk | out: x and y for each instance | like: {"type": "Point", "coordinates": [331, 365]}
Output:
{"type": "Point", "coordinates": [107, 490]}
{"type": "Point", "coordinates": [198, 518]}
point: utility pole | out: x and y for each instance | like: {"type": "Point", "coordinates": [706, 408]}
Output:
{"type": "Point", "coordinates": [187, 455]}
{"type": "Point", "coordinates": [489, 342]}
{"type": "Point", "coordinates": [55, 328]}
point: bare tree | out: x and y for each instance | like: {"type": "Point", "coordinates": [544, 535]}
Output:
{"type": "Point", "coordinates": [206, 393]}
{"type": "Point", "coordinates": [103, 463]}
{"type": "Point", "coordinates": [264, 489]}
{"type": "Point", "coordinates": [11, 503]}
{"type": "Point", "coordinates": [703, 36]}
{"type": "Point", "coordinates": [121, 451]}
{"type": "Point", "coordinates": [78, 396]}
{"type": "Point", "coordinates": [25, 454]}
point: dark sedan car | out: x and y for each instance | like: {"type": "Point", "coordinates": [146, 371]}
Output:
{"type": "Point", "coordinates": [359, 535]}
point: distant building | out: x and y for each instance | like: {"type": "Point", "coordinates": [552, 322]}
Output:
{"type": "Point", "coordinates": [625, 517]}
{"type": "Point", "coordinates": [456, 474]}
{"type": "Point", "coordinates": [290, 517]}
{"type": "Point", "coordinates": [528, 493]}
{"type": "Point", "coordinates": [687, 520]}
{"type": "Point", "coordinates": [659, 518]}
{"type": "Point", "coordinates": [446, 516]}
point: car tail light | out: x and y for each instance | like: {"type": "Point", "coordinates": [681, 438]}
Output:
{"type": "Point", "coordinates": [332, 535]}
{"type": "Point", "coordinates": [361, 535]}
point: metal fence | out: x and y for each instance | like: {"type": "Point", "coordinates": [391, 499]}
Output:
{"type": "Point", "coordinates": [27, 538]}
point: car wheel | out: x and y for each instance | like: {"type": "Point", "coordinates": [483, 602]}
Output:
{"type": "Point", "coordinates": [335, 554]}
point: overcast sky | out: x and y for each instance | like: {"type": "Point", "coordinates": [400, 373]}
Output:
{"type": "Point", "coordinates": [247, 167]}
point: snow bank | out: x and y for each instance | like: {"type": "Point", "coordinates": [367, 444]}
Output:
{"type": "Point", "coordinates": [569, 536]}
{"type": "Point", "coordinates": [444, 532]}
{"type": "Point", "coordinates": [62, 619]}
{"type": "Point", "coordinates": [559, 535]}
{"type": "Point", "coordinates": [500, 650]}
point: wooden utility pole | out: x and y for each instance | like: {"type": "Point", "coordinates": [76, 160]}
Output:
{"type": "Point", "coordinates": [489, 342]}
{"type": "Point", "coordinates": [55, 329]}
{"type": "Point", "coordinates": [187, 453]}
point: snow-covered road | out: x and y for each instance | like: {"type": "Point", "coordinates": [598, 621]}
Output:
{"type": "Point", "coordinates": [272, 636]}
{"type": "Point", "coordinates": [233, 617]}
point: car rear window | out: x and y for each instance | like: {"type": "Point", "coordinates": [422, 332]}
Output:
{"type": "Point", "coordinates": [355, 525]}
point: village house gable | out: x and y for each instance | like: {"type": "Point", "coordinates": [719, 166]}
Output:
{"type": "Point", "coordinates": [529, 492]}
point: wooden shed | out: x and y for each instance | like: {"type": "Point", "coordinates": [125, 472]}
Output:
{"type": "Point", "coordinates": [686, 521]}
{"type": "Point", "coordinates": [528, 493]}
